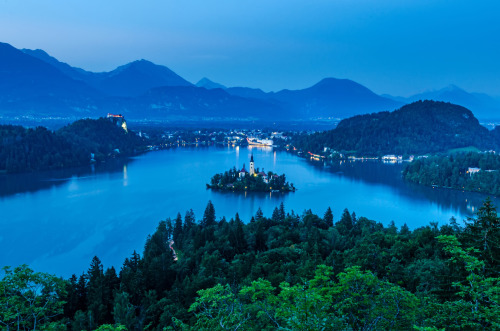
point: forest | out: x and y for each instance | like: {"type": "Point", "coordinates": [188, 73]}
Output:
{"type": "Point", "coordinates": [31, 149]}
{"type": "Point", "coordinates": [231, 181]}
{"type": "Point", "coordinates": [418, 128]}
{"type": "Point", "coordinates": [285, 272]}
{"type": "Point", "coordinates": [452, 171]}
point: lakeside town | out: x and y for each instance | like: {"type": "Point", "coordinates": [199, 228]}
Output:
{"type": "Point", "coordinates": [167, 138]}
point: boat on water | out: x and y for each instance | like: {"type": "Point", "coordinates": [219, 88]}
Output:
{"type": "Point", "coordinates": [259, 142]}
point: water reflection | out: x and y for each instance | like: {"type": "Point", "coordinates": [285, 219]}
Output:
{"type": "Point", "coordinates": [69, 216]}
{"type": "Point", "coordinates": [13, 184]}
{"type": "Point", "coordinates": [390, 174]}
{"type": "Point", "coordinates": [125, 175]}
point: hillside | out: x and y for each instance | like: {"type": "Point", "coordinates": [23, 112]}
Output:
{"type": "Point", "coordinates": [208, 84]}
{"type": "Point", "coordinates": [329, 98]}
{"type": "Point", "coordinates": [284, 272]}
{"type": "Point", "coordinates": [72, 72]}
{"type": "Point", "coordinates": [131, 79]}
{"type": "Point", "coordinates": [24, 150]}
{"type": "Point", "coordinates": [190, 102]}
{"type": "Point", "coordinates": [333, 97]}
{"type": "Point", "coordinates": [454, 171]}
{"type": "Point", "coordinates": [135, 79]}
{"type": "Point", "coordinates": [29, 86]}
{"type": "Point", "coordinates": [418, 128]}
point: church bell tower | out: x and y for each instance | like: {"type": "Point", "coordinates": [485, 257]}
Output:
{"type": "Point", "coordinates": [252, 168]}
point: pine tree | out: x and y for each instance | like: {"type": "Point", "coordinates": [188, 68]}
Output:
{"type": "Point", "coordinates": [282, 213]}
{"type": "Point", "coordinates": [71, 298]}
{"type": "Point", "coordinates": [178, 230]}
{"type": "Point", "coordinates": [132, 278]}
{"type": "Point", "coordinates": [96, 293]}
{"type": "Point", "coordinates": [170, 228]}
{"type": "Point", "coordinates": [259, 214]}
{"type": "Point", "coordinates": [111, 284]}
{"type": "Point", "coordinates": [260, 238]}
{"type": "Point", "coordinates": [345, 225]}
{"type": "Point", "coordinates": [276, 215]}
{"type": "Point", "coordinates": [328, 217]}
{"type": "Point", "coordinates": [241, 243]}
{"type": "Point", "coordinates": [81, 293]}
{"type": "Point", "coordinates": [209, 215]}
{"type": "Point", "coordinates": [189, 220]}
{"type": "Point", "coordinates": [483, 233]}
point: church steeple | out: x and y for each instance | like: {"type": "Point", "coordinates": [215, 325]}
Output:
{"type": "Point", "coordinates": [252, 168]}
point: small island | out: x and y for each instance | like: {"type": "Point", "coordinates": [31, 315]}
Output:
{"type": "Point", "coordinates": [251, 180]}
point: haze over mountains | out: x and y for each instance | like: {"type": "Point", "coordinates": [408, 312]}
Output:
{"type": "Point", "coordinates": [482, 105]}
{"type": "Point", "coordinates": [34, 84]}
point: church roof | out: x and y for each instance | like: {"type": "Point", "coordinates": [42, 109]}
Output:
{"type": "Point", "coordinates": [251, 158]}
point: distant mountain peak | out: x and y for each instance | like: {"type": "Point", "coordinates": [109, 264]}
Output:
{"type": "Point", "coordinates": [136, 78]}
{"type": "Point", "coordinates": [446, 89]}
{"type": "Point", "coordinates": [75, 73]}
{"type": "Point", "coordinates": [209, 84]}
{"type": "Point", "coordinates": [137, 64]}
{"type": "Point", "coordinates": [143, 63]}
{"type": "Point", "coordinates": [329, 80]}
{"type": "Point", "coordinates": [39, 51]}
{"type": "Point", "coordinates": [453, 87]}
{"type": "Point", "coordinates": [335, 83]}
{"type": "Point", "coordinates": [482, 105]}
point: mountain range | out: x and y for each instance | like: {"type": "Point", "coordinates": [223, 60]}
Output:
{"type": "Point", "coordinates": [482, 105]}
{"type": "Point", "coordinates": [35, 84]}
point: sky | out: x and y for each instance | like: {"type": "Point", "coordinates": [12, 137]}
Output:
{"type": "Point", "coordinates": [398, 47]}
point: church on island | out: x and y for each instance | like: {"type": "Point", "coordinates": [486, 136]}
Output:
{"type": "Point", "coordinates": [250, 180]}
{"type": "Point", "coordinates": [251, 172]}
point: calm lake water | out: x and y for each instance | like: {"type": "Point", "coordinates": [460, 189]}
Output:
{"type": "Point", "coordinates": [57, 221]}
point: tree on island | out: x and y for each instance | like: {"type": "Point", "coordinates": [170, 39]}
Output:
{"type": "Point", "coordinates": [233, 180]}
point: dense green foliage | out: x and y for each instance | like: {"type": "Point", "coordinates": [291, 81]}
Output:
{"type": "Point", "coordinates": [231, 181]}
{"type": "Point", "coordinates": [287, 272]}
{"type": "Point", "coordinates": [23, 150]}
{"type": "Point", "coordinates": [418, 128]}
{"type": "Point", "coordinates": [30, 300]}
{"type": "Point", "coordinates": [453, 171]}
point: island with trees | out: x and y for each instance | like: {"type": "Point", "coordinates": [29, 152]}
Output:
{"type": "Point", "coordinates": [252, 180]}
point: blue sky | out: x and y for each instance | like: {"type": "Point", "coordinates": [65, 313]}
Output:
{"type": "Point", "coordinates": [397, 47]}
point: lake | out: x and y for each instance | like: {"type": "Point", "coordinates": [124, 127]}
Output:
{"type": "Point", "coordinates": [57, 221]}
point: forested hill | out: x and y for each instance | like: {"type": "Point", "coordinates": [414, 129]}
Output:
{"type": "Point", "coordinates": [464, 171]}
{"type": "Point", "coordinates": [23, 149]}
{"type": "Point", "coordinates": [287, 272]}
{"type": "Point", "coordinates": [417, 128]}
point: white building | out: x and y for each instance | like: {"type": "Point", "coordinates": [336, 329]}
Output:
{"type": "Point", "coordinates": [471, 171]}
